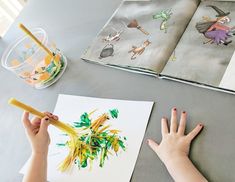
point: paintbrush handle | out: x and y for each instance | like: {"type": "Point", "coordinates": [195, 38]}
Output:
{"type": "Point", "coordinates": [38, 42]}
{"type": "Point", "coordinates": [60, 125]}
{"type": "Point", "coordinates": [142, 30]}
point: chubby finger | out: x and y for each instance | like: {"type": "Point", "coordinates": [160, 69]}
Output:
{"type": "Point", "coordinates": [44, 124]}
{"type": "Point", "coordinates": [173, 126]}
{"type": "Point", "coordinates": [36, 121]}
{"type": "Point", "coordinates": [26, 122]}
{"type": "Point", "coordinates": [153, 145]}
{"type": "Point", "coordinates": [164, 125]}
{"type": "Point", "coordinates": [55, 117]}
{"type": "Point", "coordinates": [182, 124]}
{"type": "Point", "coordinates": [195, 132]}
{"type": "Point", "coordinates": [48, 114]}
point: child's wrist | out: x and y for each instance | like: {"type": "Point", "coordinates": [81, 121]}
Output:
{"type": "Point", "coordinates": [39, 153]}
{"type": "Point", "coordinates": [175, 161]}
{"type": "Point", "coordinates": [40, 150]}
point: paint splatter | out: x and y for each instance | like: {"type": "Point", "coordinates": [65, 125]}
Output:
{"type": "Point", "coordinates": [95, 141]}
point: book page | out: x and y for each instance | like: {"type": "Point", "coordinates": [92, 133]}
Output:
{"type": "Point", "coordinates": [205, 49]}
{"type": "Point", "coordinates": [142, 34]}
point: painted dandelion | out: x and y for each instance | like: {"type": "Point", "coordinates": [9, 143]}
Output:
{"type": "Point", "coordinates": [96, 140]}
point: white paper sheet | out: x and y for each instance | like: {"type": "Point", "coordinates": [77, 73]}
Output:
{"type": "Point", "coordinates": [132, 121]}
{"type": "Point", "coordinates": [228, 80]}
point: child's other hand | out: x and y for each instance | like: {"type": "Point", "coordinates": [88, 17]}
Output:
{"type": "Point", "coordinates": [37, 133]}
{"type": "Point", "coordinates": [175, 144]}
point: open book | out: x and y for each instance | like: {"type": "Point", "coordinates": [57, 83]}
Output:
{"type": "Point", "coordinates": [186, 40]}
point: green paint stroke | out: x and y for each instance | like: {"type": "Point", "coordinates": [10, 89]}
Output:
{"type": "Point", "coordinates": [84, 121]}
{"type": "Point", "coordinates": [114, 113]}
{"type": "Point", "coordinates": [98, 143]}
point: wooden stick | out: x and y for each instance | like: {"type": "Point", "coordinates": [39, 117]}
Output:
{"type": "Point", "coordinates": [38, 42]}
{"type": "Point", "coordinates": [60, 125]}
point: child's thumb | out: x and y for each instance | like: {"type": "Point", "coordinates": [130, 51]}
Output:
{"type": "Point", "coordinates": [44, 124]}
{"type": "Point", "coordinates": [153, 145]}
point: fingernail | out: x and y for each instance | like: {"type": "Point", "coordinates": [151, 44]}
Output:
{"type": "Point", "coordinates": [46, 119]}
{"type": "Point", "coordinates": [201, 125]}
{"type": "Point", "coordinates": [184, 112]}
{"type": "Point", "coordinates": [174, 109]}
{"type": "Point", "coordinates": [148, 141]}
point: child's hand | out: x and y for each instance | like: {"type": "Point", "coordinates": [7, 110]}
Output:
{"type": "Point", "coordinates": [175, 144]}
{"type": "Point", "coordinates": [36, 130]}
